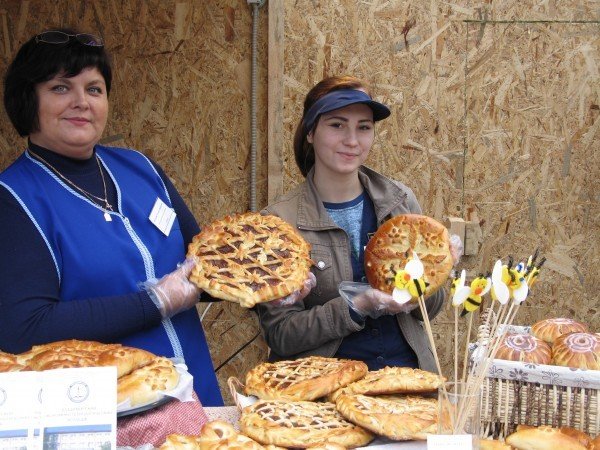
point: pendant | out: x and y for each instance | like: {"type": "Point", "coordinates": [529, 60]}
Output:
{"type": "Point", "coordinates": [107, 217]}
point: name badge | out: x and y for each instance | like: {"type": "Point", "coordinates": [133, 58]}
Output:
{"type": "Point", "coordinates": [162, 216]}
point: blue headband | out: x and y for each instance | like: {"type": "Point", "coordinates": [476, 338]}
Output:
{"type": "Point", "coordinates": [339, 99]}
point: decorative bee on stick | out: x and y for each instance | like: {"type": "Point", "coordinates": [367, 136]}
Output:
{"type": "Point", "coordinates": [472, 299]}
{"type": "Point", "coordinates": [408, 282]}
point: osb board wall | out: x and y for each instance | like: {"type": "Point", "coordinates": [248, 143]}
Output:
{"type": "Point", "coordinates": [523, 162]}
{"type": "Point", "coordinates": [181, 95]}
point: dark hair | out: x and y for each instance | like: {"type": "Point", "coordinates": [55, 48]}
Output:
{"type": "Point", "coordinates": [37, 62]}
{"type": "Point", "coordinates": [303, 150]}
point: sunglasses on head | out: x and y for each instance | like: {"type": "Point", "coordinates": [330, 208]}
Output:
{"type": "Point", "coordinates": [60, 37]}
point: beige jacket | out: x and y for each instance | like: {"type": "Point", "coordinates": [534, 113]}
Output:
{"type": "Point", "coordinates": [317, 325]}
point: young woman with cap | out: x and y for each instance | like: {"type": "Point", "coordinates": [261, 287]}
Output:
{"type": "Point", "coordinates": [339, 204]}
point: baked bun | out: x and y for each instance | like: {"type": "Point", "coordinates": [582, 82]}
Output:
{"type": "Point", "coordinates": [578, 350]}
{"type": "Point", "coordinates": [543, 438]}
{"type": "Point", "coordinates": [492, 444]}
{"type": "Point", "coordinates": [549, 329]}
{"type": "Point", "coordinates": [524, 348]}
{"type": "Point", "coordinates": [393, 243]}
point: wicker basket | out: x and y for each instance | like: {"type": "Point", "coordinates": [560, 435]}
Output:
{"type": "Point", "coordinates": [508, 403]}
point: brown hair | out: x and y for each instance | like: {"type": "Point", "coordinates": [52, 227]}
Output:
{"type": "Point", "coordinates": [303, 150]}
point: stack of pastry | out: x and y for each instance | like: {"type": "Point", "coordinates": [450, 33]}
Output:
{"type": "Point", "coordinates": [355, 404]}
{"type": "Point", "coordinates": [141, 375]}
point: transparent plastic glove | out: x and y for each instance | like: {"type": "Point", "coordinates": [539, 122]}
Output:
{"type": "Point", "coordinates": [369, 302]}
{"type": "Point", "coordinates": [456, 248]}
{"type": "Point", "coordinates": [174, 293]}
{"type": "Point", "coordinates": [298, 295]}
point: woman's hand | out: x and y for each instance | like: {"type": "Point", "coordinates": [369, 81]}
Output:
{"type": "Point", "coordinates": [456, 248]}
{"type": "Point", "coordinates": [174, 292]}
{"type": "Point", "coordinates": [299, 295]}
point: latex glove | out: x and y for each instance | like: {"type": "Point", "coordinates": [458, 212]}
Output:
{"type": "Point", "coordinates": [174, 293]}
{"type": "Point", "coordinates": [299, 294]}
{"type": "Point", "coordinates": [456, 248]}
{"type": "Point", "coordinates": [369, 302]}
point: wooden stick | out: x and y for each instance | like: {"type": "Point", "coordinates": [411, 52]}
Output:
{"type": "Point", "coordinates": [466, 358]}
{"type": "Point", "coordinates": [456, 344]}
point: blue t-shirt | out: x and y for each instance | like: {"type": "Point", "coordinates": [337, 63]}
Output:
{"type": "Point", "coordinates": [381, 342]}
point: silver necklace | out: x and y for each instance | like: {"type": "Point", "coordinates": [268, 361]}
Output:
{"type": "Point", "coordinates": [105, 205]}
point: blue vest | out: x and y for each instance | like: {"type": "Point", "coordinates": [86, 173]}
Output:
{"type": "Point", "coordinates": [96, 258]}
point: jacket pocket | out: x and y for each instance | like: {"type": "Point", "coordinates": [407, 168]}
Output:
{"type": "Point", "coordinates": [323, 269]}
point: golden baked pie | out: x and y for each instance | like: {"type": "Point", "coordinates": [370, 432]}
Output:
{"type": "Point", "coordinates": [525, 348]}
{"type": "Point", "coordinates": [300, 424]}
{"type": "Point", "coordinates": [543, 438]}
{"type": "Point", "coordinates": [146, 384]}
{"type": "Point", "coordinates": [550, 329]}
{"type": "Point", "coordinates": [400, 418]}
{"type": "Point", "coordinates": [302, 379]}
{"type": "Point", "coordinates": [250, 258]}
{"type": "Point", "coordinates": [578, 350]}
{"type": "Point", "coordinates": [393, 380]}
{"type": "Point", "coordinates": [393, 244]}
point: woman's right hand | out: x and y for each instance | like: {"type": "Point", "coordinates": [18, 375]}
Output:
{"type": "Point", "coordinates": [174, 292]}
{"type": "Point", "coordinates": [369, 302]}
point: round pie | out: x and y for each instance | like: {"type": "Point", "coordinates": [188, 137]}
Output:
{"type": "Point", "coordinates": [550, 329]}
{"type": "Point", "coordinates": [393, 380]}
{"type": "Point", "coordinates": [388, 251]}
{"type": "Point", "coordinates": [577, 350]}
{"type": "Point", "coordinates": [400, 418]}
{"type": "Point", "coordinates": [300, 424]}
{"type": "Point", "coordinates": [525, 348]}
{"type": "Point", "coordinates": [302, 379]}
{"type": "Point", "coordinates": [250, 258]}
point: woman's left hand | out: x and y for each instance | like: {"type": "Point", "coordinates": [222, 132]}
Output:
{"type": "Point", "coordinates": [298, 295]}
{"type": "Point", "coordinates": [456, 248]}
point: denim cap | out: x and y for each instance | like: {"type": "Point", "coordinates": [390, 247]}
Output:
{"type": "Point", "coordinates": [339, 99]}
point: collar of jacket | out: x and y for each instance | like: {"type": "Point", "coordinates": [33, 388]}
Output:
{"type": "Point", "coordinates": [385, 194]}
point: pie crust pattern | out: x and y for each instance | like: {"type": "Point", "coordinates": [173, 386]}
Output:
{"type": "Point", "coordinates": [302, 379]}
{"type": "Point", "coordinates": [300, 424]}
{"type": "Point", "coordinates": [399, 418]}
{"type": "Point", "coordinates": [393, 380]}
{"type": "Point", "coordinates": [250, 258]}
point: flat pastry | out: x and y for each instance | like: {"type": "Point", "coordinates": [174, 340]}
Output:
{"type": "Point", "coordinates": [75, 353]}
{"type": "Point", "coordinates": [250, 258]}
{"type": "Point", "coordinates": [543, 438]}
{"type": "Point", "coordinates": [550, 329]}
{"type": "Point", "coordinates": [393, 380]}
{"type": "Point", "coordinates": [578, 350]}
{"type": "Point", "coordinates": [394, 241]}
{"type": "Point", "coordinates": [302, 379]}
{"type": "Point", "coordinates": [525, 348]}
{"type": "Point", "coordinates": [146, 384]}
{"type": "Point", "coordinates": [300, 424]}
{"type": "Point", "coordinates": [400, 418]}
